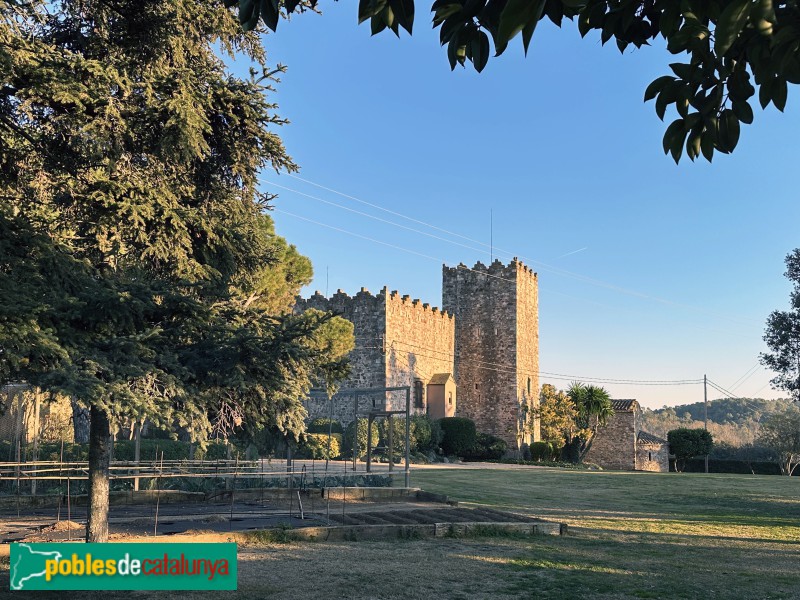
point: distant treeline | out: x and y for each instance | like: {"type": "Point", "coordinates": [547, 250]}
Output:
{"type": "Point", "coordinates": [733, 422]}
{"type": "Point", "coordinates": [743, 467]}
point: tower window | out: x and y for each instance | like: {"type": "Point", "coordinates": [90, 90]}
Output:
{"type": "Point", "coordinates": [419, 400]}
{"type": "Point", "coordinates": [450, 398]}
{"type": "Point", "coordinates": [649, 456]}
{"type": "Point", "coordinates": [529, 386]}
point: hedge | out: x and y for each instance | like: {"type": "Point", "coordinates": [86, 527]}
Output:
{"type": "Point", "coordinates": [697, 465]}
{"type": "Point", "coordinates": [149, 450]}
{"type": "Point", "coordinates": [459, 437]}
{"type": "Point", "coordinates": [543, 451]}
{"type": "Point", "coordinates": [315, 446]}
{"type": "Point", "coordinates": [487, 447]}
{"type": "Point", "coordinates": [325, 425]}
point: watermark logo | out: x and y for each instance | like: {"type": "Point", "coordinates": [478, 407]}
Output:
{"type": "Point", "coordinates": [157, 566]}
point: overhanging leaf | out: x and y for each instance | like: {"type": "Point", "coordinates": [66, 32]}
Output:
{"type": "Point", "coordinates": [730, 24]}
{"type": "Point", "coordinates": [516, 16]}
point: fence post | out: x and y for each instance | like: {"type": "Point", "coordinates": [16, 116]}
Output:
{"type": "Point", "coordinates": [137, 449]}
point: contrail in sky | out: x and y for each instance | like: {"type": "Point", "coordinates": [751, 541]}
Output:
{"type": "Point", "coordinates": [571, 253]}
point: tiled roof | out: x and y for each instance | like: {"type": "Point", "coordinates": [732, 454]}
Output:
{"type": "Point", "coordinates": [439, 379]}
{"type": "Point", "coordinates": [623, 405]}
{"type": "Point", "coordinates": [649, 438]}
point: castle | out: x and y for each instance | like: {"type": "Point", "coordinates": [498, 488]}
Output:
{"type": "Point", "coordinates": [477, 357]}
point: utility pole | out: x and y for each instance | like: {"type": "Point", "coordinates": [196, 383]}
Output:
{"type": "Point", "coordinates": [705, 399]}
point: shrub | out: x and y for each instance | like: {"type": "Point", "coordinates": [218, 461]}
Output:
{"type": "Point", "coordinates": [359, 426]}
{"type": "Point", "coordinates": [427, 433]}
{"type": "Point", "coordinates": [686, 443]}
{"type": "Point", "coordinates": [398, 435]}
{"type": "Point", "coordinates": [325, 425]}
{"type": "Point", "coordinates": [315, 445]}
{"type": "Point", "coordinates": [459, 435]}
{"type": "Point", "coordinates": [150, 450]}
{"type": "Point", "coordinates": [543, 451]}
{"type": "Point", "coordinates": [487, 447]}
{"type": "Point", "coordinates": [214, 451]}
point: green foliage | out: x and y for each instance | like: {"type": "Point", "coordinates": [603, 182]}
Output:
{"type": "Point", "coordinates": [149, 451]}
{"type": "Point", "coordinates": [140, 273]}
{"type": "Point", "coordinates": [557, 415]}
{"type": "Point", "coordinates": [358, 429]}
{"type": "Point", "coordinates": [781, 434]}
{"type": "Point", "coordinates": [736, 411]}
{"type": "Point", "coordinates": [325, 425]}
{"type": "Point", "coordinates": [487, 447]}
{"type": "Point", "coordinates": [459, 436]}
{"type": "Point", "coordinates": [593, 407]}
{"type": "Point", "coordinates": [592, 403]}
{"type": "Point", "coordinates": [742, 467]}
{"type": "Point", "coordinates": [139, 270]}
{"type": "Point", "coordinates": [686, 443]}
{"type": "Point", "coordinates": [320, 446]}
{"type": "Point", "coordinates": [730, 49]}
{"type": "Point", "coordinates": [398, 436]}
{"type": "Point", "coordinates": [782, 335]}
{"type": "Point", "coordinates": [734, 423]}
{"type": "Point", "coordinates": [544, 451]}
{"type": "Point", "coordinates": [427, 433]}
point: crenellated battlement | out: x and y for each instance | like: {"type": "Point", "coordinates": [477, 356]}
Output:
{"type": "Point", "coordinates": [406, 301]}
{"type": "Point", "coordinates": [497, 268]}
{"type": "Point", "coordinates": [341, 300]}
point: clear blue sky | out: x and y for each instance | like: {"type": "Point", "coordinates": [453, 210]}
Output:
{"type": "Point", "coordinates": [647, 270]}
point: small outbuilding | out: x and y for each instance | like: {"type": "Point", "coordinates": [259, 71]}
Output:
{"type": "Point", "coordinates": [622, 445]}
{"type": "Point", "coordinates": [441, 394]}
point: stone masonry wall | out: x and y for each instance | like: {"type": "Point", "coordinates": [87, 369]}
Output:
{"type": "Point", "coordinates": [652, 457]}
{"type": "Point", "coordinates": [420, 342]}
{"type": "Point", "coordinates": [528, 345]}
{"type": "Point", "coordinates": [614, 445]}
{"type": "Point", "coordinates": [492, 305]}
{"type": "Point", "coordinates": [398, 341]}
{"type": "Point", "coordinates": [367, 312]}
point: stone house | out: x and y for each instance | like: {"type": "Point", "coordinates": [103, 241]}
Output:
{"type": "Point", "coordinates": [477, 357]}
{"type": "Point", "coordinates": [622, 445]}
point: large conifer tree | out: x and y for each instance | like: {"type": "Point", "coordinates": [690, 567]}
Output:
{"type": "Point", "coordinates": [138, 269]}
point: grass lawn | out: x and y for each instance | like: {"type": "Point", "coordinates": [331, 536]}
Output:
{"type": "Point", "coordinates": [632, 535]}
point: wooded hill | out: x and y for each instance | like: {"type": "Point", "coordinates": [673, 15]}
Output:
{"type": "Point", "coordinates": [734, 422]}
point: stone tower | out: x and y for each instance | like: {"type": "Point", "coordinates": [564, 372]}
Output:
{"type": "Point", "coordinates": [496, 311]}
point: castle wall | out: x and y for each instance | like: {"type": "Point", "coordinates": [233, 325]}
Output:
{"type": "Point", "coordinates": [528, 345]}
{"type": "Point", "coordinates": [486, 337]}
{"type": "Point", "coordinates": [614, 445]}
{"type": "Point", "coordinates": [420, 342]}
{"type": "Point", "coordinates": [492, 306]}
{"type": "Point", "coordinates": [367, 312]}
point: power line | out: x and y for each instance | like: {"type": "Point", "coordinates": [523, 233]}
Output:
{"type": "Point", "coordinates": [750, 372]}
{"type": "Point", "coordinates": [722, 389]}
{"type": "Point", "coordinates": [415, 253]}
{"type": "Point", "coordinates": [401, 248]}
{"type": "Point", "coordinates": [505, 367]}
{"type": "Point", "coordinates": [542, 265]}
{"type": "Point", "coordinates": [369, 216]}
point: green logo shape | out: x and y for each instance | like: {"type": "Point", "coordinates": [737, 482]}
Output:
{"type": "Point", "coordinates": [156, 566]}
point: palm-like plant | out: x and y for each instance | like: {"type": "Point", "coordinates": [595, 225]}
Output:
{"type": "Point", "coordinates": [593, 404]}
